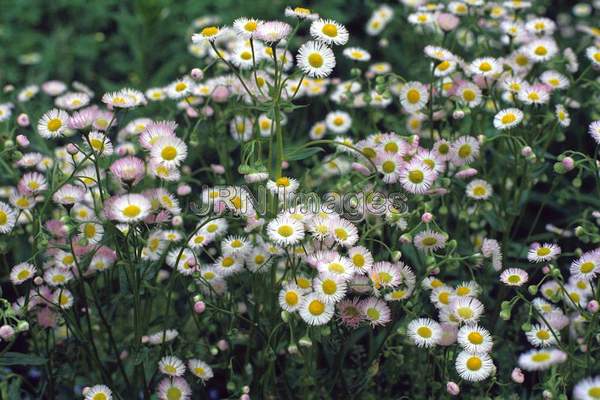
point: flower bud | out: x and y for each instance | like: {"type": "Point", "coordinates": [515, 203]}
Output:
{"type": "Point", "coordinates": [452, 389]}
{"type": "Point", "coordinates": [305, 341]}
{"type": "Point", "coordinates": [222, 345]}
{"type": "Point", "coordinates": [458, 114]}
{"type": "Point", "coordinates": [23, 120]}
{"type": "Point", "coordinates": [197, 74]}
{"type": "Point", "coordinates": [199, 307]}
{"type": "Point", "coordinates": [593, 306]}
{"type": "Point", "coordinates": [568, 163]}
{"type": "Point", "coordinates": [526, 151]}
{"type": "Point", "coordinates": [427, 217]}
{"type": "Point", "coordinates": [7, 332]}
{"type": "Point", "coordinates": [22, 140]}
{"type": "Point", "coordinates": [517, 376]}
{"type": "Point", "coordinates": [72, 149]}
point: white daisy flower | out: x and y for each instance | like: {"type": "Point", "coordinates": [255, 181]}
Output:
{"type": "Point", "coordinates": [537, 360]}
{"type": "Point", "coordinates": [98, 392]}
{"type": "Point", "coordinates": [464, 150]}
{"type": "Point", "coordinates": [285, 231]}
{"type": "Point", "coordinates": [413, 96]}
{"type": "Point", "coordinates": [424, 332]}
{"type": "Point", "coordinates": [356, 54]}
{"type": "Point", "coordinates": [315, 311]}
{"type": "Point", "coordinates": [514, 277]}
{"type": "Point", "coordinates": [21, 273]}
{"type": "Point", "coordinates": [171, 366]}
{"type": "Point", "coordinates": [543, 253]}
{"type": "Point", "coordinates": [53, 124]}
{"type": "Point", "coordinates": [474, 367]}
{"type": "Point", "coordinates": [329, 32]}
{"type": "Point", "coordinates": [209, 33]}
{"type": "Point", "coordinates": [541, 336]}
{"type": "Point", "coordinates": [475, 339]}
{"type": "Point", "coordinates": [486, 66]}
{"type": "Point", "coordinates": [375, 311]}
{"type": "Point", "coordinates": [315, 59]}
{"type": "Point", "coordinates": [467, 309]}
{"type": "Point", "coordinates": [170, 151]}
{"type": "Point", "coordinates": [290, 297]}
{"type": "Point", "coordinates": [338, 121]}
{"type": "Point", "coordinates": [7, 218]}
{"type": "Point", "coordinates": [479, 189]}
{"type": "Point", "coordinates": [508, 118]}
{"type": "Point", "coordinates": [200, 369]}
{"type": "Point", "coordinates": [587, 389]}
{"type": "Point", "coordinates": [416, 177]}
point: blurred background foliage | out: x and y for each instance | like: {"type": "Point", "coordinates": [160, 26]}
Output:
{"type": "Point", "coordinates": [110, 43]}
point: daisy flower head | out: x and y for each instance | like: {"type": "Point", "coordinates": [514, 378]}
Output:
{"type": "Point", "coordinates": [171, 366]}
{"type": "Point", "coordinates": [180, 88]}
{"type": "Point", "coordinates": [343, 232]}
{"type": "Point", "coordinates": [514, 277]}
{"type": "Point", "coordinates": [439, 53]}
{"type": "Point", "coordinates": [315, 311]}
{"type": "Point", "coordinates": [208, 33]}
{"type": "Point", "coordinates": [338, 121]}
{"type": "Point", "coordinates": [357, 54]}
{"type": "Point", "coordinates": [119, 99]}
{"type": "Point", "coordinates": [444, 68]}
{"type": "Point", "coordinates": [331, 288]}
{"type": "Point", "coordinates": [375, 311]}
{"type": "Point", "coordinates": [329, 32]}
{"type": "Point", "coordinates": [246, 27]}
{"type": "Point", "coordinates": [594, 131]}
{"type": "Point", "coordinates": [474, 367]}
{"type": "Point", "coordinates": [300, 13]}
{"type": "Point", "coordinates": [538, 360]}
{"type": "Point", "coordinates": [469, 93]}
{"type": "Point", "coordinates": [464, 150]}
{"type": "Point", "coordinates": [349, 312]}
{"type": "Point", "coordinates": [315, 59]}
{"type": "Point", "coordinates": [586, 267]}
{"type": "Point", "coordinates": [170, 151]}
{"type": "Point", "coordinates": [562, 115]}
{"type": "Point", "coordinates": [555, 79]}
{"type": "Point", "coordinates": [174, 388]}
{"type": "Point", "coordinates": [53, 124]}
{"type": "Point", "coordinates": [98, 392]}
{"type": "Point", "coordinates": [429, 240]}
{"type": "Point", "coordinates": [361, 259]}
{"type": "Point", "coordinates": [442, 296]}
{"type": "Point", "coordinates": [413, 96]}
{"type": "Point", "coordinates": [283, 186]}
{"type": "Point", "coordinates": [541, 50]}
{"type": "Point", "coordinates": [486, 67]}
{"type": "Point", "coordinates": [475, 339]}
{"type": "Point", "coordinates": [228, 264]}
{"type": "Point", "coordinates": [200, 369]}
{"type": "Point", "coordinates": [290, 297]}
{"type": "Point", "coordinates": [543, 253]}
{"type": "Point", "coordinates": [593, 54]}
{"type": "Point", "coordinates": [285, 231]}
{"type": "Point", "coordinates": [385, 274]}
{"type": "Point", "coordinates": [508, 118]}
{"type": "Point", "coordinates": [542, 336]}
{"type": "Point", "coordinates": [57, 276]}
{"type": "Point", "coordinates": [533, 95]}
{"type": "Point", "coordinates": [541, 26]}
{"type": "Point", "coordinates": [587, 389]}
{"type": "Point", "coordinates": [416, 177]}
{"type": "Point", "coordinates": [130, 208]}
{"type": "Point", "coordinates": [421, 18]}
{"type": "Point", "coordinates": [467, 309]}
{"type": "Point", "coordinates": [8, 218]}
{"type": "Point", "coordinates": [128, 170]}
{"type": "Point", "coordinates": [272, 32]}
{"type": "Point", "coordinates": [21, 273]}
{"type": "Point", "coordinates": [235, 245]}
{"type": "Point", "coordinates": [424, 332]}
{"type": "Point", "coordinates": [479, 189]}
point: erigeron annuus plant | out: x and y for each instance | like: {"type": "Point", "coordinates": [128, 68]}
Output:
{"type": "Point", "coordinates": [293, 228]}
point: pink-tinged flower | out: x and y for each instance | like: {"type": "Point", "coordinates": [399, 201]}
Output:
{"type": "Point", "coordinates": [68, 195]}
{"type": "Point", "coordinates": [217, 169]}
{"type": "Point", "coordinates": [220, 94]}
{"type": "Point", "coordinates": [593, 306]}
{"type": "Point", "coordinates": [191, 112]}
{"type": "Point", "coordinates": [197, 74]}
{"type": "Point", "coordinates": [128, 170]}
{"type": "Point", "coordinates": [207, 111]}
{"type": "Point", "coordinates": [22, 140]}
{"type": "Point", "coordinates": [447, 22]}
{"type": "Point", "coordinates": [375, 311]}
{"type": "Point", "coordinates": [449, 334]}
{"type": "Point", "coordinates": [426, 217]}
{"type": "Point", "coordinates": [568, 163]}
{"type": "Point", "coordinates": [361, 169]}
{"type": "Point", "coordinates": [199, 307]}
{"type": "Point", "coordinates": [32, 183]}
{"type": "Point", "coordinates": [56, 228]}
{"type": "Point", "coordinates": [223, 345]}
{"type": "Point", "coordinates": [272, 31]}
{"type": "Point", "coordinates": [7, 332]}
{"type": "Point", "coordinates": [46, 317]}
{"type": "Point", "coordinates": [83, 118]}
{"type": "Point", "coordinates": [184, 190]}
{"type": "Point", "coordinates": [23, 120]}
{"type": "Point", "coordinates": [452, 388]}
{"type": "Point", "coordinates": [517, 376]}
{"type": "Point", "coordinates": [349, 312]}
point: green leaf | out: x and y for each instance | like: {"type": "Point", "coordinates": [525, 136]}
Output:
{"type": "Point", "coordinates": [295, 154]}
{"type": "Point", "coordinates": [11, 358]}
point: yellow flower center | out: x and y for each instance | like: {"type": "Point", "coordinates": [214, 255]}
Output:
{"type": "Point", "coordinates": [443, 66]}
{"type": "Point", "coordinates": [444, 297]}
{"type": "Point", "coordinates": [543, 334]}
{"type": "Point", "coordinates": [463, 291]}
{"type": "Point", "coordinates": [388, 166]}
{"type": "Point", "coordinates": [464, 151]}
{"type": "Point", "coordinates": [285, 230]}
{"type": "Point", "coordinates": [597, 56]}
{"type": "Point", "coordinates": [465, 312]}
{"type": "Point", "coordinates": [209, 31]}
{"type": "Point", "coordinates": [475, 337]}
{"type": "Point", "coordinates": [237, 244]}
{"type": "Point", "coordinates": [316, 307]}
{"type": "Point", "coordinates": [89, 230]}
{"type": "Point", "coordinates": [315, 60]}
{"type": "Point", "coordinates": [341, 233]}
{"type": "Point", "coordinates": [594, 392]}
{"type": "Point", "coordinates": [99, 396]}
{"type": "Point", "coordinates": [479, 191]}
{"type": "Point", "coordinates": [180, 87]}
{"type": "Point", "coordinates": [330, 30]}
{"type": "Point", "coordinates": [170, 369]}
{"type": "Point", "coordinates": [54, 124]}
{"type": "Point", "coordinates": [514, 279]}
{"type": "Point", "coordinates": [58, 278]}
{"type": "Point", "coordinates": [259, 259]}
{"type": "Point", "coordinates": [541, 357]}
{"type": "Point", "coordinates": [338, 121]}
{"type": "Point", "coordinates": [373, 314]}
{"type": "Point", "coordinates": [246, 55]}
{"type": "Point", "coordinates": [416, 176]}
{"type": "Point", "coordinates": [587, 267]}
{"type": "Point", "coordinates": [543, 251]}
{"type": "Point", "coordinates": [227, 262]}
{"type": "Point", "coordinates": [24, 274]}
{"type": "Point", "coordinates": [424, 331]}
{"type": "Point", "coordinates": [413, 96]}
{"type": "Point", "coordinates": [3, 218]}
{"type": "Point", "coordinates": [168, 153]}
{"type": "Point", "coordinates": [174, 393]}
{"type": "Point", "coordinates": [509, 118]}
{"type": "Point", "coordinates": [474, 363]}
{"type": "Point", "coordinates": [541, 51]}
{"type": "Point", "coordinates": [358, 260]}
{"type": "Point", "coordinates": [303, 283]}
{"type": "Point", "coordinates": [329, 287]}
{"type": "Point", "coordinates": [336, 267]}
{"type": "Point", "coordinates": [429, 241]}
{"type": "Point", "coordinates": [469, 95]}
{"type": "Point", "coordinates": [132, 211]}
{"type": "Point", "coordinates": [250, 26]}
{"type": "Point", "coordinates": [485, 66]}
{"type": "Point", "coordinates": [199, 371]}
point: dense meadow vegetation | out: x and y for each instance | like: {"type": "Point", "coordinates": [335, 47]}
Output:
{"type": "Point", "coordinates": [272, 200]}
